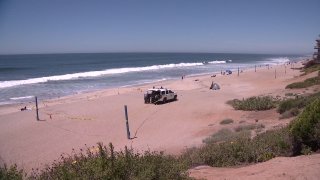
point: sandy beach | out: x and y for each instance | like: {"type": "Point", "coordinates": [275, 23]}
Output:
{"type": "Point", "coordinates": [82, 120]}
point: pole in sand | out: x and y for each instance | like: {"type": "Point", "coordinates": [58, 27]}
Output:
{"type": "Point", "coordinates": [238, 71]}
{"type": "Point", "coordinates": [285, 69]}
{"type": "Point", "coordinates": [255, 68]}
{"type": "Point", "coordinates": [127, 122]}
{"type": "Point", "coordinates": [37, 110]}
{"type": "Point", "coordinates": [275, 73]}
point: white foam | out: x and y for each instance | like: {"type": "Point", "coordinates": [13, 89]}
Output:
{"type": "Point", "coordinates": [23, 97]}
{"type": "Point", "coordinates": [6, 84]}
{"type": "Point", "coordinates": [217, 62]}
{"type": "Point", "coordinates": [278, 60]}
{"type": "Point", "coordinates": [145, 82]}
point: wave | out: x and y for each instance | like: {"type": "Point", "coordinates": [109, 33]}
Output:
{"type": "Point", "coordinates": [277, 60]}
{"type": "Point", "coordinates": [6, 84]}
{"type": "Point", "coordinates": [217, 62]}
{"type": "Point", "coordinates": [23, 97]}
{"type": "Point", "coordinates": [145, 82]}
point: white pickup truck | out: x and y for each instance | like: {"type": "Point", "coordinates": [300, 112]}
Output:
{"type": "Point", "coordinates": [159, 95]}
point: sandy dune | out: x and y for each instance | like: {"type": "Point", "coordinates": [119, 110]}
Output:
{"type": "Point", "coordinates": [72, 122]}
{"type": "Point", "coordinates": [301, 167]}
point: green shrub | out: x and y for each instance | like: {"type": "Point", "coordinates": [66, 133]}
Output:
{"type": "Point", "coordinates": [12, 173]}
{"type": "Point", "coordinates": [273, 143]}
{"type": "Point", "coordinates": [289, 94]}
{"type": "Point", "coordinates": [306, 83]}
{"type": "Point", "coordinates": [226, 121]}
{"type": "Point", "coordinates": [290, 113]}
{"type": "Point", "coordinates": [309, 64]}
{"type": "Point", "coordinates": [107, 163]}
{"type": "Point", "coordinates": [299, 102]}
{"type": "Point", "coordinates": [253, 103]}
{"type": "Point", "coordinates": [234, 152]}
{"type": "Point", "coordinates": [241, 150]}
{"type": "Point", "coordinates": [291, 103]}
{"type": "Point", "coordinates": [310, 67]}
{"type": "Point", "coordinates": [225, 135]}
{"type": "Point", "coordinates": [249, 127]}
{"type": "Point", "coordinates": [306, 128]}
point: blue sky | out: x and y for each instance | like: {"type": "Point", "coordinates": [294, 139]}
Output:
{"type": "Point", "coordinates": [240, 26]}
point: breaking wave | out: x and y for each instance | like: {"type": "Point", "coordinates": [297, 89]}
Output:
{"type": "Point", "coordinates": [23, 97]}
{"type": "Point", "coordinates": [217, 62]}
{"type": "Point", "coordinates": [278, 60]}
{"type": "Point", "coordinates": [6, 84]}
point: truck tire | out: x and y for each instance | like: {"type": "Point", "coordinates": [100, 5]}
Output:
{"type": "Point", "coordinates": [164, 100]}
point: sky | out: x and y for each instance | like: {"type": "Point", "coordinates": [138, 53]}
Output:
{"type": "Point", "coordinates": [218, 26]}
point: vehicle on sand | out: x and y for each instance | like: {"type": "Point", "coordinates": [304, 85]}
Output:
{"type": "Point", "coordinates": [159, 95]}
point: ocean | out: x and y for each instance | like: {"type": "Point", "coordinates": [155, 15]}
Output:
{"type": "Point", "coordinates": [55, 75]}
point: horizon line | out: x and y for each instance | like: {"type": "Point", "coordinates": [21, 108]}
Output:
{"type": "Point", "coordinates": [146, 52]}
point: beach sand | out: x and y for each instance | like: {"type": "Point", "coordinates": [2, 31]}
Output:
{"type": "Point", "coordinates": [300, 167]}
{"type": "Point", "coordinates": [82, 120]}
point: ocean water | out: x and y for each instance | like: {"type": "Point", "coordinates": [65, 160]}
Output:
{"type": "Point", "coordinates": [54, 75]}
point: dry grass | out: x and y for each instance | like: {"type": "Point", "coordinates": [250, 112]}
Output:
{"type": "Point", "coordinates": [226, 121]}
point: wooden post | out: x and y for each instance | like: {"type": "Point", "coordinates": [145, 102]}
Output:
{"type": "Point", "coordinates": [255, 68]}
{"type": "Point", "coordinates": [275, 73]}
{"type": "Point", "coordinates": [268, 66]}
{"type": "Point", "coordinates": [238, 71]}
{"type": "Point", "coordinates": [37, 110]}
{"type": "Point", "coordinates": [127, 122]}
{"type": "Point", "coordinates": [285, 69]}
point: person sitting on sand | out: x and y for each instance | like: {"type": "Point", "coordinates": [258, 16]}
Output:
{"type": "Point", "coordinates": [24, 108]}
